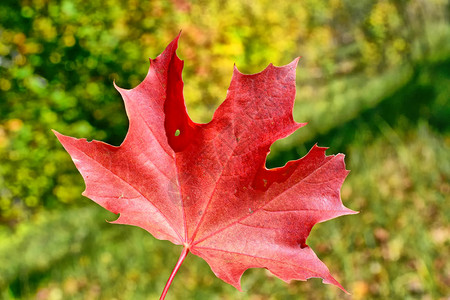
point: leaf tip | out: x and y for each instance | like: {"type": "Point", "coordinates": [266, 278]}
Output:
{"type": "Point", "coordinates": [61, 137]}
{"type": "Point", "coordinates": [300, 125]}
{"type": "Point", "coordinates": [330, 280]}
{"type": "Point", "coordinates": [236, 70]}
{"type": "Point", "coordinates": [347, 211]}
{"type": "Point", "coordinates": [56, 133]}
{"type": "Point", "coordinates": [174, 44]}
{"type": "Point", "coordinates": [118, 88]}
{"type": "Point", "coordinates": [295, 61]}
{"type": "Point", "coordinates": [351, 211]}
{"type": "Point", "coordinates": [238, 285]}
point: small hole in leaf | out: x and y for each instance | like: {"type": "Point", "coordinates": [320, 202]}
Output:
{"type": "Point", "coordinates": [177, 132]}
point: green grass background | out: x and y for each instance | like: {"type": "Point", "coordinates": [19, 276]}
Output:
{"type": "Point", "coordinates": [373, 83]}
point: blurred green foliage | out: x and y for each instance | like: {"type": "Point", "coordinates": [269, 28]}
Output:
{"type": "Point", "coordinates": [373, 82]}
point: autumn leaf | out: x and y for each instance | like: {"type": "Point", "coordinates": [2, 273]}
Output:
{"type": "Point", "coordinates": [205, 186]}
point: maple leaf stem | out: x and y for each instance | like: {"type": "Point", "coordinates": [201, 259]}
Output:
{"type": "Point", "coordinates": [183, 255]}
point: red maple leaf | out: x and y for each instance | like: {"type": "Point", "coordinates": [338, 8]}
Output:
{"type": "Point", "coordinates": [205, 186]}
